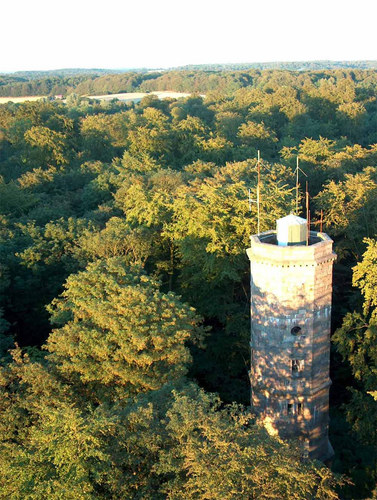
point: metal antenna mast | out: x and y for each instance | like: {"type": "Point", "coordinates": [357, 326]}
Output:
{"type": "Point", "coordinates": [257, 201]}
{"type": "Point", "coordinates": [307, 213]}
{"type": "Point", "coordinates": [258, 191]}
{"type": "Point", "coordinates": [321, 222]}
{"type": "Point", "coordinates": [297, 184]}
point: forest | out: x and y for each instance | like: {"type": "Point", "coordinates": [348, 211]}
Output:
{"type": "Point", "coordinates": [124, 283]}
{"type": "Point", "coordinates": [194, 78]}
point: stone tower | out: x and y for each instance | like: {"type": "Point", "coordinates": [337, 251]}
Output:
{"type": "Point", "coordinates": [291, 288]}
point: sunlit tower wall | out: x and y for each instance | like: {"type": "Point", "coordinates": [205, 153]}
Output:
{"type": "Point", "coordinates": [291, 291]}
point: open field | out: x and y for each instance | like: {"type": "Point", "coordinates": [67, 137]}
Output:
{"type": "Point", "coordinates": [137, 96]}
{"type": "Point", "coordinates": [126, 97]}
{"type": "Point", "coordinates": [4, 100]}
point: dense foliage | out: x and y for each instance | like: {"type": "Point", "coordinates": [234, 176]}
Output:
{"type": "Point", "coordinates": [125, 284]}
{"type": "Point", "coordinates": [201, 78]}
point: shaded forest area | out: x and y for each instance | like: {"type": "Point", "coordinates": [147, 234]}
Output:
{"type": "Point", "coordinates": [124, 285]}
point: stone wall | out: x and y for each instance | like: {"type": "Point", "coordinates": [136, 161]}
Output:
{"type": "Point", "coordinates": [291, 290]}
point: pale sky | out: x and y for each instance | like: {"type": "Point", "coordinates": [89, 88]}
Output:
{"type": "Point", "coordinates": [48, 34]}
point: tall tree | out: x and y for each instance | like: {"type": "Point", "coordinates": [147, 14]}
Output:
{"type": "Point", "coordinates": [119, 334]}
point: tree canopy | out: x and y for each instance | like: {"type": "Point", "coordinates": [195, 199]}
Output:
{"type": "Point", "coordinates": [124, 283]}
{"type": "Point", "coordinates": [119, 333]}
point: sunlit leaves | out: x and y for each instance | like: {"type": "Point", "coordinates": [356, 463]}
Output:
{"type": "Point", "coordinates": [219, 453]}
{"type": "Point", "coordinates": [350, 206]}
{"type": "Point", "coordinates": [47, 145]}
{"type": "Point", "coordinates": [120, 333]}
{"type": "Point", "coordinates": [118, 238]}
{"type": "Point", "coordinates": [365, 277]}
{"type": "Point", "coordinates": [217, 208]}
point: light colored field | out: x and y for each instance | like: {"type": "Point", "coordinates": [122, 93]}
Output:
{"type": "Point", "coordinates": [137, 96]}
{"type": "Point", "coordinates": [126, 97]}
{"type": "Point", "coordinates": [4, 100]}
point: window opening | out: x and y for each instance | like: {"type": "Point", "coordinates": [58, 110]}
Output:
{"type": "Point", "coordinates": [294, 409]}
{"type": "Point", "coordinates": [295, 330]}
{"type": "Point", "coordinates": [297, 366]}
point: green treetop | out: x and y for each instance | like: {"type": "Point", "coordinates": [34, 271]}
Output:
{"type": "Point", "coordinates": [118, 332]}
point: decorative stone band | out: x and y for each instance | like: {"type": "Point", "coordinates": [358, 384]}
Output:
{"type": "Point", "coordinates": [296, 264]}
{"type": "Point", "coordinates": [264, 251]}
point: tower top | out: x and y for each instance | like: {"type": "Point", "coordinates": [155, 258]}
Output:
{"type": "Point", "coordinates": [291, 230]}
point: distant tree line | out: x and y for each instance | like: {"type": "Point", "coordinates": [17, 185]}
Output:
{"type": "Point", "coordinates": [19, 86]}
{"type": "Point", "coordinates": [291, 66]}
{"type": "Point", "coordinates": [66, 72]}
{"type": "Point", "coordinates": [201, 79]}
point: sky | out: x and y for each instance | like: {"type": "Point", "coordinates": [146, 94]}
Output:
{"type": "Point", "coordinates": [47, 34]}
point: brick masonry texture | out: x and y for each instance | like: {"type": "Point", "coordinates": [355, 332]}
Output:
{"type": "Point", "coordinates": [291, 289]}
